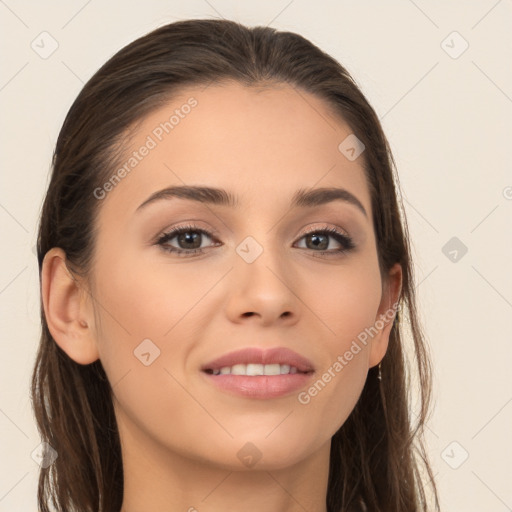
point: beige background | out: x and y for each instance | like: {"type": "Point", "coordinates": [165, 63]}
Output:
{"type": "Point", "coordinates": [449, 123]}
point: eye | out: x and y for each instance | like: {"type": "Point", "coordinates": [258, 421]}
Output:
{"type": "Point", "coordinates": [319, 239]}
{"type": "Point", "coordinates": [188, 238]}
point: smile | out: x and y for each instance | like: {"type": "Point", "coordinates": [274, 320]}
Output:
{"type": "Point", "coordinates": [257, 373]}
{"type": "Point", "coordinates": [255, 369]}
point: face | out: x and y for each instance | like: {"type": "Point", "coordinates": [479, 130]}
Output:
{"type": "Point", "coordinates": [279, 284]}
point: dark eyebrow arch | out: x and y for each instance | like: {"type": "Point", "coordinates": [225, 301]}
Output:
{"type": "Point", "coordinates": [216, 196]}
{"type": "Point", "coordinates": [319, 196]}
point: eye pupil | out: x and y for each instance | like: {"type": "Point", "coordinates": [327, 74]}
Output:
{"type": "Point", "coordinates": [189, 237]}
{"type": "Point", "coordinates": [319, 244]}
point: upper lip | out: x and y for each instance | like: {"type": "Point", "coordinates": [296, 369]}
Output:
{"type": "Point", "coordinates": [280, 355]}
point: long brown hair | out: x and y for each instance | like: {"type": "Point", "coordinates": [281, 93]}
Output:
{"type": "Point", "coordinates": [378, 462]}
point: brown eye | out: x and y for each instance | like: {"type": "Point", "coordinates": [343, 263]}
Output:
{"type": "Point", "coordinates": [188, 240]}
{"type": "Point", "coordinates": [319, 241]}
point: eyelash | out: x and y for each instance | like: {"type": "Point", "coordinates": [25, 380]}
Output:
{"type": "Point", "coordinates": [344, 240]}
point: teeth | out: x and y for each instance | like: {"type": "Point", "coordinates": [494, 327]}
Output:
{"type": "Point", "coordinates": [239, 369]}
{"type": "Point", "coordinates": [253, 369]}
{"type": "Point", "coordinates": [272, 369]}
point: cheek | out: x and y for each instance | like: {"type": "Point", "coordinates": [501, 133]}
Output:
{"type": "Point", "coordinates": [139, 304]}
{"type": "Point", "coordinates": [346, 301]}
{"type": "Point", "coordinates": [347, 304]}
{"type": "Point", "coordinates": [147, 300]}
{"type": "Point", "coordinates": [140, 301]}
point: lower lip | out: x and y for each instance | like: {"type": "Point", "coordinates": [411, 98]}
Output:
{"type": "Point", "coordinates": [261, 386]}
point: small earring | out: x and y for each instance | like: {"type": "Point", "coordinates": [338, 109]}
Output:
{"type": "Point", "coordinates": [379, 376]}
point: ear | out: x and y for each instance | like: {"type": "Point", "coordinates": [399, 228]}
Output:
{"type": "Point", "coordinates": [65, 306]}
{"type": "Point", "coordinates": [386, 313]}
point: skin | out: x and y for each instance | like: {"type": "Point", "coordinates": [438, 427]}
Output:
{"type": "Point", "coordinates": [180, 435]}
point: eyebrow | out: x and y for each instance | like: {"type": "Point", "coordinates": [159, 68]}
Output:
{"type": "Point", "coordinates": [303, 198]}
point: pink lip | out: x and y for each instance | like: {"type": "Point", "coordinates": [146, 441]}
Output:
{"type": "Point", "coordinates": [279, 355]}
{"type": "Point", "coordinates": [261, 386]}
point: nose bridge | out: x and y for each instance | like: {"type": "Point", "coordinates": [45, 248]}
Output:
{"type": "Point", "coordinates": [259, 260]}
{"type": "Point", "coordinates": [261, 279]}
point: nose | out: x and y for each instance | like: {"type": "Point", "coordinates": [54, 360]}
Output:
{"type": "Point", "coordinates": [263, 292]}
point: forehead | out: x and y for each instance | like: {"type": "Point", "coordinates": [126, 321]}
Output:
{"type": "Point", "coordinates": [262, 143]}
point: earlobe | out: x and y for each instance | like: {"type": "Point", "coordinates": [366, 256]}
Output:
{"type": "Point", "coordinates": [66, 316]}
{"type": "Point", "coordinates": [386, 314]}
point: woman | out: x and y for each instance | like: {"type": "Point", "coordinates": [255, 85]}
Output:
{"type": "Point", "coordinates": [222, 261]}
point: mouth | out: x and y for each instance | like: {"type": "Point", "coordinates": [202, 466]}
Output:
{"type": "Point", "coordinates": [255, 370]}
{"type": "Point", "coordinates": [257, 373]}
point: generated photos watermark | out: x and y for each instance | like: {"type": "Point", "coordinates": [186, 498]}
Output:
{"type": "Point", "coordinates": [304, 397]}
{"type": "Point", "coordinates": [156, 136]}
